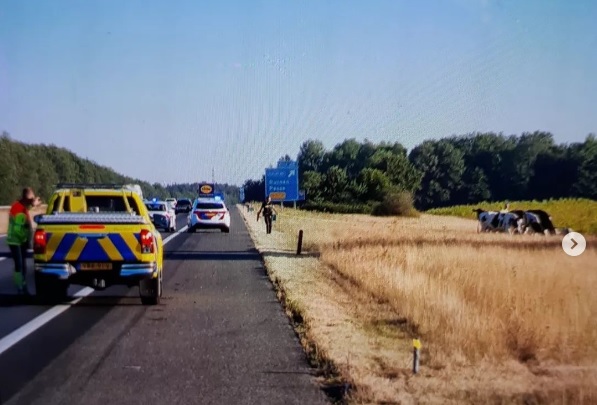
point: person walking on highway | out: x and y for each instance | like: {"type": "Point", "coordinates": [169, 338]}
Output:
{"type": "Point", "coordinates": [19, 236]}
{"type": "Point", "coordinates": [268, 211]}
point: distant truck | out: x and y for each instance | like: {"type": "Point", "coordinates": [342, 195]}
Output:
{"type": "Point", "coordinates": [97, 235]}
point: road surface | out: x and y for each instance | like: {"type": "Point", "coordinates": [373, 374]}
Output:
{"type": "Point", "coordinates": [218, 337]}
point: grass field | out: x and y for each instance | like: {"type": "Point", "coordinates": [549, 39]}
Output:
{"type": "Point", "coordinates": [578, 214]}
{"type": "Point", "coordinates": [502, 318]}
{"type": "Point", "coordinates": [4, 217]}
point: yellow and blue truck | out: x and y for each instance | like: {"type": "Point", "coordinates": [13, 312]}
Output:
{"type": "Point", "coordinates": [97, 235]}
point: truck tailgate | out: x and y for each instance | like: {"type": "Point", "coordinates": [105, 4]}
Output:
{"type": "Point", "coordinates": [92, 238]}
{"type": "Point", "coordinates": [65, 246]}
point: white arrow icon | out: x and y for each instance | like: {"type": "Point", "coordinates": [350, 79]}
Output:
{"type": "Point", "coordinates": [574, 244]}
{"type": "Point", "coordinates": [291, 173]}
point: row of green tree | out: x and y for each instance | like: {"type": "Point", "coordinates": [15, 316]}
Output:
{"type": "Point", "coordinates": [43, 166]}
{"type": "Point", "coordinates": [464, 169]}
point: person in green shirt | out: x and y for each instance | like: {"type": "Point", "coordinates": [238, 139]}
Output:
{"type": "Point", "coordinates": [19, 235]}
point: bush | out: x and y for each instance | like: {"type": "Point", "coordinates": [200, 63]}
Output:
{"type": "Point", "coordinates": [396, 204]}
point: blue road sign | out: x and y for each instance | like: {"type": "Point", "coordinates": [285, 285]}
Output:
{"type": "Point", "coordinates": [242, 194]}
{"type": "Point", "coordinates": [281, 183]}
{"type": "Point", "coordinates": [302, 195]}
{"type": "Point", "coordinates": [287, 164]}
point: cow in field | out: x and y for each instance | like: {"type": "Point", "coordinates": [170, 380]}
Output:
{"type": "Point", "coordinates": [539, 221]}
{"type": "Point", "coordinates": [493, 221]}
{"type": "Point", "coordinates": [488, 220]}
{"type": "Point", "coordinates": [512, 222]}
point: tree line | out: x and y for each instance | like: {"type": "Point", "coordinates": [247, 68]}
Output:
{"type": "Point", "coordinates": [461, 169]}
{"type": "Point", "coordinates": [43, 166]}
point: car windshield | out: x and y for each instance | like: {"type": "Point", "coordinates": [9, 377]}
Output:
{"type": "Point", "coordinates": [156, 207]}
{"type": "Point", "coordinates": [209, 206]}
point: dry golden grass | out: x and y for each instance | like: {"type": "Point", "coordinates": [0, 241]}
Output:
{"type": "Point", "coordinates": [4, 217]}
{"type": "Point", "coordinates": [501, 317]}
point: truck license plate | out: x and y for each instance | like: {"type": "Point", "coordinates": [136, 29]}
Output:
{"type": "Point", "coordinates": [96, 266]}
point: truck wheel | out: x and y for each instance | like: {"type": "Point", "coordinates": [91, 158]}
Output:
{"type": "Point", "coordinates": [50, 289]}
{"type": "Point", "coordinates": [151, 290]}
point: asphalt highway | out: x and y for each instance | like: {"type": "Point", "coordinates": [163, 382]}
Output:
{"type": "Point", "coordinates": [219, 336]}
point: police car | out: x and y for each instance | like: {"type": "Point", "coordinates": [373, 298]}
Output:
{"type": "Point", "coordinates": [162, 214]}
{"type": "Point", "coordinates": [209, 213]}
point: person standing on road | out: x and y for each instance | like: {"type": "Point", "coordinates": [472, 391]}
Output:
{"type": "Point", "coordinates": [19, 236]}
{"type": "Point", "coordinates": [268, 211]}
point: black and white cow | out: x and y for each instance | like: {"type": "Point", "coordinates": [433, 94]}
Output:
{"type": "Point", "coordinates": [488, 220]}
{"type": "Point", "coordinates": [515, 221]}
{"type": "Point", "coordinates": [493, 221]}
{"type": "Point", "coordinates": [510, 221]}
{"type": "Point", "coordinates": [538, 221]}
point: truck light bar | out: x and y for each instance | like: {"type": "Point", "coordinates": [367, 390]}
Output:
{"type": "Point", "coordinates": [96, 186]}
{"type": "Point", "coordinates": [91, 218]}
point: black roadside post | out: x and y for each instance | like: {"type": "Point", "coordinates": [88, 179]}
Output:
{"type": "Point", "coordinates": [299, 248]}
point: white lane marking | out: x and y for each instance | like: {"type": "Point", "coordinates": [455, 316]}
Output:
{"type": "Point", "coordinates": [16, 336]}
{"type": "Point", "coordinates": [21, 333]}
{"type": "Point", "coordinates": [2, 258]}
{"type": "Point", "coordinates": [169, 238]}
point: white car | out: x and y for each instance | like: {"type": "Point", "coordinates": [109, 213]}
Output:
{"type": "Point", "coordinates": [162, 215]}
{"type": "Point", "coordinates": [209, 213]}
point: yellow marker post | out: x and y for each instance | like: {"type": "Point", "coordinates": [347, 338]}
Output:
{"type": "Point", "coordinates": [416, 347]}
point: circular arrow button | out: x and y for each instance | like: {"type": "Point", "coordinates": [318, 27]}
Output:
{"type": "Point", "coordinates": [574, 244]}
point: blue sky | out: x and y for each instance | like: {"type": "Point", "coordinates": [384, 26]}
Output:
{"type": "Point", "coordinates": [234, 85]}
